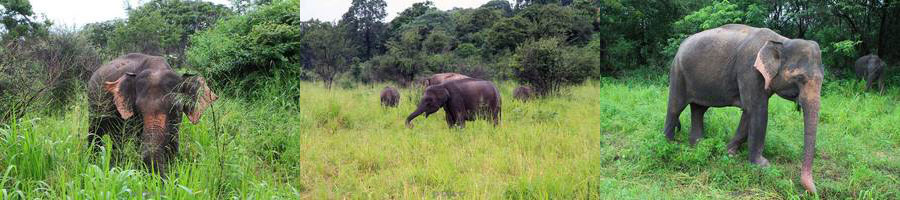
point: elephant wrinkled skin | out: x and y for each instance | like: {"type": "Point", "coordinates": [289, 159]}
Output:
{"type": "Point", "coordinates": [743, 66]}
{"type": "Point", "coordinates": [140, 96]}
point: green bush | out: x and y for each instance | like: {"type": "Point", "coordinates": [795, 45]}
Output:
{"type": "Point", "coordinates": [258, 43]}
{"type": "Point", "coordinates": [546, 65]}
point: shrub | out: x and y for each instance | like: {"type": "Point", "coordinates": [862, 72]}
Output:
{"type": "Point", "coordinates": [265, 40]}
{"type": "Point", "coordinates": [543, 64]}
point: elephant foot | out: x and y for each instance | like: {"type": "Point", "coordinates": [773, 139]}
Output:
{"type": "Point", "coordinates": [732, 150]}
{"type": "Point", "coordinates": [761, 161]}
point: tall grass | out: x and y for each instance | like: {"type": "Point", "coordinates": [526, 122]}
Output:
{"type": "Point", "coordinates": [599, 140]}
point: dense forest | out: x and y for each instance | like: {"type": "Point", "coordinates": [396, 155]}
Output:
{"type": "Point", "coordinates": [296, 93]}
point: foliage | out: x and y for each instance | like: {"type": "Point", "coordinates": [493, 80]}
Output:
{"type": "Point", "coordinates": [328, 50]}
{"type": "Point", "coordinates": [364, 25]}
{"type": "Point", "coordinates": [712, 16]}
{"type": "Point", "coordinates": [44, 73]}
{"type": "Point", "coordinates": [19, 21]}
{"type": "Point", "coordinates": [258, 43]}
{"type": "Point", "coordinates": [546, 66]}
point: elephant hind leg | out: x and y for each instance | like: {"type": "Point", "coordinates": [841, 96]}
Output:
{"type": "Point", "coordinates": [677, 104]}
{"type": "Point", "coordinates": [740, 137]}
{"type": "Point", "coordinates": [697, 112]}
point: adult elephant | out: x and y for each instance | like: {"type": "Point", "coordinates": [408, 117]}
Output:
{"type": "Point", "coordinates": [462, 100]}
{"type": "Point", "coordinates": [871, 69]}
{"type": "Point", "coordinates": [140, 96]}
{"type": "Point", "coordinates": [742, 66]}
{"type": "Point", "coordinates": [437, 79]}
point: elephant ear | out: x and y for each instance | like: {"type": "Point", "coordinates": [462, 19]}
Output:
{"type": "Point", "coordinates": [200, 97]}
{"type": "Point", "coordinates": [120, 98]}
{"type": "Point", "coordinates": [768, 61]}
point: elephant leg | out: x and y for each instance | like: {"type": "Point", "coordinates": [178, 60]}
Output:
{"type": "Point", "coordinates": [96, 131]}
{"type": "Point", "coordinates": [676, 106]}
{"type": "Point", "coordinates": [757, 134]}
{"type": "Point", "coordinates": [697, 112]}
{"type": "Point", "coordinates": [741, 135]}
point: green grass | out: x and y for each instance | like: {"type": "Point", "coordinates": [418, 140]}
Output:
{"type": "Point", "coordinates": [600, 140]}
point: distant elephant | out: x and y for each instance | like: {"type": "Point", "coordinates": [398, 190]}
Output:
{"type": "Point", "coordinates": [523, 93]}
{"type": "Point", "coordinates": [871, 69]}
{"type": "Point", "coordinates": [138, 90]}
{"type": "Point", "coordinates": [390, 97]}
{"type": "Point", "coordinates": [742, 66]}
{"type": "Point", "coordinates": [463, 100]}
{"type": "Point", "coordinates": [443, 77]}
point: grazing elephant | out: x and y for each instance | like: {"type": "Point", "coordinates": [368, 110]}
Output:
{"type": "Point", "coordinates": [390, 97]}
{"type": "Point", "coordinates": [871, 68]}
{"type": "Point", "coordinates": [742, 66]}
{"type": "Point", "coordinates": [443, 77]}
{"type": "Point", "coordinates": [463, 100]}
{"type": "Point", "coordinates": [140, 96]}
{"type": "Point", "coordinates": [523, 93]}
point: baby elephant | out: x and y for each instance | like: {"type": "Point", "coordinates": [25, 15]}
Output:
{"type": "Point", "coordinates": [871, 69]}
{"type": "Point", "coordinates": [523, 93]}
{"type": "Point", "coordinates": [390, 97]}
{"type": "Point", "coordinates": [463, 100]}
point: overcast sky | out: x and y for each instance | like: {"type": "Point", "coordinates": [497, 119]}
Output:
{"type": "Point", "coordinates": [80, 12]}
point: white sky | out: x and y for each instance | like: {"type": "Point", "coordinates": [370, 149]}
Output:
{"type": "Point", "coordinates": [80, 12]}
{"type": "Point", "coordinates": [331, 10]}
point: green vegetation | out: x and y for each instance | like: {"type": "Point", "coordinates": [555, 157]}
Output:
{"type": "Point", "coordinates": [601, 139]}
{"type": "Point", "coordinates": [299, 115]}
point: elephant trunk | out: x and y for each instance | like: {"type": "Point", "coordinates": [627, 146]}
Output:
{"type": "Point", "coordinates": [413, 115]}
{"type": "Point", "coordinates": [153, 142]}
{"type": "Point", "coordinates": [809, 99]}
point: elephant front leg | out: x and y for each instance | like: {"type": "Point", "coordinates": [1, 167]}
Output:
{"type": "Point", "coordinates": [697, 112]}
{"type": "Point", "coordinates": [741, 135]}
{"type": "Point", "coordinates": [757, 137]}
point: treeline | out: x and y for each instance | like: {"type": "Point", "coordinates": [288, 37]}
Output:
{"type": "Point", "coordinates": [543, 43]}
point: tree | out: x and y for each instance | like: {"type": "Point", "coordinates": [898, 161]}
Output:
{"type": "Point", "coordinates": [19, 20]}
{"type": "Point", "coordinates": [363, 23]}
{"type": "Point", "coordinates": [328, 49]}
{"type": "Point", "coordinates": [164, 27]}
{"type": "Point", "coordinates": [543, 65]}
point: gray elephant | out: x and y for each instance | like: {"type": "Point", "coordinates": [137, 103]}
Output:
{"type": "Point", "coordinates": [871, 69]}
{"type": "Point", "coordinates": [743, 66]}
{"type": "Point", "coordinates": [140, 96]}
{"type": "Point", "coordinates": [523, 93]}
{"type": "Point", "coordinates": [390, 97]}
{"type": "Point", "coordinates": [462, 100]}
{"type": "Point", "coordinates": [443, 77]}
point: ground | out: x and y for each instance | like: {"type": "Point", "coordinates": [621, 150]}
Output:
{"type": "Point", "coordinates": [599, 140]}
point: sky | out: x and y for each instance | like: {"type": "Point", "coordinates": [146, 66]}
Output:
{"type": "Point", "coordinates": [80, 12]}
{"type": "Point", "coordinates": [331, 10]}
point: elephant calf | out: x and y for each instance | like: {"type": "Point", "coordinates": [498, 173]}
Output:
{"type": "Point", "coordinates": [463, 100]}
{"type": "Point", "coordinates": [523, 93]}
{"type": "Point", "coordinates": [390, 97]}
{"type": "Point", "coordinates": [140, 96]}
{"type": "Point", "coordinates": [871, 68]}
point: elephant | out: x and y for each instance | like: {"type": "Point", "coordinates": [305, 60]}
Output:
{"type": "Point", "coordinates": [139, 96]}
{"type": "Point", "coordinates": [443, 77]}
{"type": "Point", "coordinates": [742, 66]}
{"type": "Point", "coordinates": [463, 100]}
{"type": "Point", "coordinates": [523, 93]}
{"type": "Point", "coordinates": [390, 97]}
{"type": "Point", "coordinates": [871, 69]}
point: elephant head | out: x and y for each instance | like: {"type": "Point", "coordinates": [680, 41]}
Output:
{"type": "Point", "coordinates": [435, 98]}
{"type": "Point", "coordinates": [793, 70]}
{"type": "Point", "coordinates": [159, 97]}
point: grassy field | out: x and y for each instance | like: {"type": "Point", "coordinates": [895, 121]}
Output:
{"type": "Point", "coordinates": [600, 140]}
